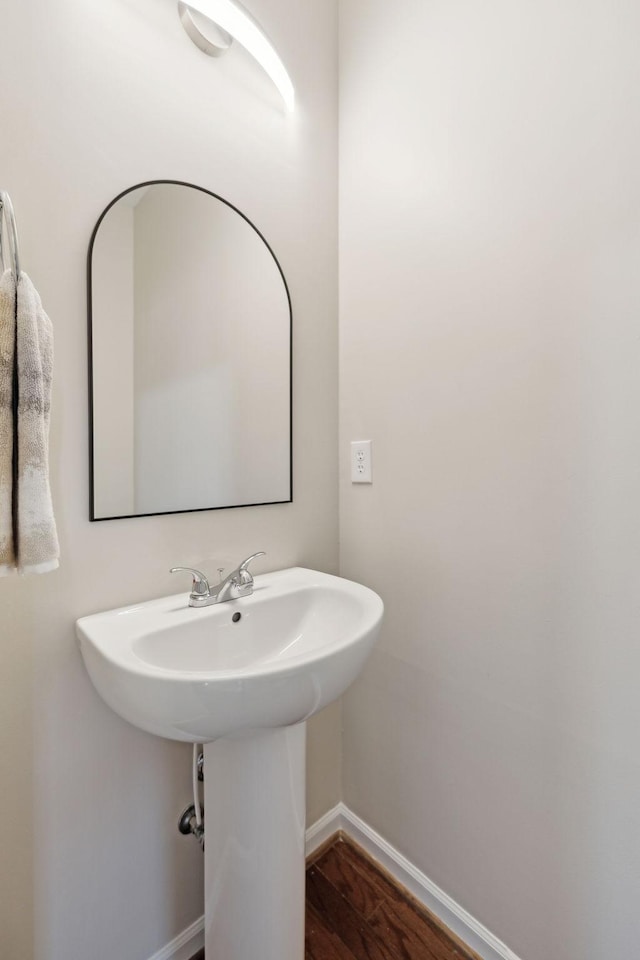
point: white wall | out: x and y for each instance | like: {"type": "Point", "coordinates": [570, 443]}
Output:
{"type": "Point", "coordinates": [490, 309]}
{"type": "Point", "coordinates": [98, 97]}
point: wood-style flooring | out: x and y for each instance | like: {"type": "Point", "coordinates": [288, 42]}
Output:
{"type": "Point", "coordinates": [356, 912]}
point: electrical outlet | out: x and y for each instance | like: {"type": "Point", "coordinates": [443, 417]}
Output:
{"type": "Point", "coordinates": [361, 461]}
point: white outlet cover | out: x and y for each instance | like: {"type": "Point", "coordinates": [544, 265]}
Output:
{"type": "Point", "coordinates": [361, 471]}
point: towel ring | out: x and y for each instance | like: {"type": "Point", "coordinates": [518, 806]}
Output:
{"type": "Point", "coordinates": [8, 216]}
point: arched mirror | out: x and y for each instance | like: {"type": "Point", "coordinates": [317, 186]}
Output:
{"type": "Point", "coordinates": [190, 357]}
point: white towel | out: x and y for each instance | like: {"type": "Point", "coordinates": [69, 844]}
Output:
{"type": "Point", "coordinates": [37, 547]}
{"type": "Point", "coordinates": [7, 426]}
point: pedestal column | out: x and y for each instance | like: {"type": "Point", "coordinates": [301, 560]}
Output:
{"type": "Point", "coordinates": [255, 846]}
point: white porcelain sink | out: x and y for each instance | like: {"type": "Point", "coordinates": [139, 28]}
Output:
{"type": "Point", "coordinates": [197, 674]}
{"type": "Point", "coordinates": [241, 677]}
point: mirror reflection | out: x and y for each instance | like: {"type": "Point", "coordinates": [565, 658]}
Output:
{"type": "Point", "coordinates": [190, 327]}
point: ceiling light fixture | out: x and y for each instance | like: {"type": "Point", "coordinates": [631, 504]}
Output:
{"type": "Point", "coordinates": [228, 21]}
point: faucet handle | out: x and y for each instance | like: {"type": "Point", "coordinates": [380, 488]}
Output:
{"type": "Point", "coordinates": [244, 566]}
{"type": "Point", "coordinates": [244, 574]}
{"type": "Point", "coordinates": [199, 584]}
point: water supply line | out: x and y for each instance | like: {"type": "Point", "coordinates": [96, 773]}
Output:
{"type": "Point", "coordinates": [191, 820]}
{"type": "Point", "coordinates": [194, 780]}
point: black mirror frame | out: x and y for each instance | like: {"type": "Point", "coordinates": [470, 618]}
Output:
{"type": "Point", "coordinates": [162, 513]}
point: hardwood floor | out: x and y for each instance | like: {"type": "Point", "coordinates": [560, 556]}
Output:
{"type": "Point", "coordinates": [356, 912]}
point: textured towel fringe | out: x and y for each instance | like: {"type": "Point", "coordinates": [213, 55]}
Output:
{"type": "Point", "coordinates": [28, 536]}
{"type": "Point", "coordinates": [37, 547]}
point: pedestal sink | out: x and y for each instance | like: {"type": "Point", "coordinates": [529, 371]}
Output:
{"type": "Point", "coordinates": [241, 677]}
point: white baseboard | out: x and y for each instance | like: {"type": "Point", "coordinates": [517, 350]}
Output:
{"type": "Point", "coordinates": [185, 944]}
{"type": "Point", "coordinates": [455, 917]}
{"type": "Point", "coordinates": [325, 827]}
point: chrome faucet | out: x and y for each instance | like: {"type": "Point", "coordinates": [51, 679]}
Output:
{"type": "Point", "coordinates": [238, 584]}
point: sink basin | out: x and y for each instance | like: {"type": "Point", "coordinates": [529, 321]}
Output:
{"type": "Point", "coordinates": [269, 660]}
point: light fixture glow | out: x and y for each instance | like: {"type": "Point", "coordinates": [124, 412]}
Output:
{"type": "Point", "coordinates": [237, 22]}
